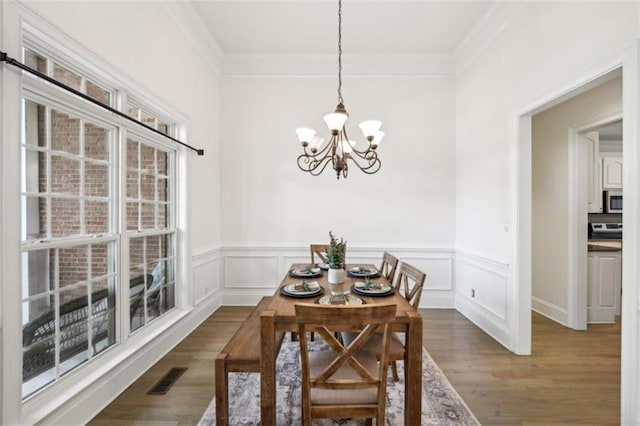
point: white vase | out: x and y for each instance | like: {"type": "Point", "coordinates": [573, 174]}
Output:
{"type": "Point", "coordinates": [336, 276]}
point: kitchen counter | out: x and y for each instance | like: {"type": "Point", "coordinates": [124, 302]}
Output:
{"type": "Point", "coordinates": [601, 244]}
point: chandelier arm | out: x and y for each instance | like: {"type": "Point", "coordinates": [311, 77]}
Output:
{"type": "Point", "coordinates": [309, 153]}
{"type": "Point", "coordinates": [315, 167]}
{"type": "Point", "coordinates": [373, 166]}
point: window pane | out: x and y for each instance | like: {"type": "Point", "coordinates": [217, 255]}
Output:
{"type": "Point", "coordinates": [147, 158]}
{"type": "Point", "coordinates": [132, 184]}
{"type": "Point", "coordinates": [147, 187]}
{"type": "Point", "coordinates": [148, 119]}
{"type": "Point", "coordinates": [147, 216]}
{"type": "Point", "coordinates": [163, 127]}
{"type": "Point", "coordinates": [65, 220]}
{"type": "Point", "coordinates": [133, 111]}
{"type": "Point", "coordinates": [35, 61]}
{"type": "Point", "coordinates": [96, 217]}
{"type": "Point", "coordinates": [136, 252]}
{"type": "Point", "coordinates": [34, 125]}
{"type": "Point", "coordinates": [161, 189]}
{"type": "Point", "coordinates": [163, 222]}
{"type": "Point", "coordinates": [65, 133]}
{"type": "Point", "coordinates": [99, 263]}
{"type": "Point", "coordinates": [96, 179]}
{"type": "Point", "coordinates": [96, 142]}
{"type": "Point", "coordinates": [132, 216]}
{"type": "Point", "coordinates": [162, 162]}
{"type": "Point", "coordinates": [67, 77]}
{"type": "Point", "coordinates": [132, 154]}
{"type": "Point", "coordinates": [98, 93]}
{"type": "Point", "coordinates": [35, 179]}
{"type": "Point", "coordinates": [73, 264]}
{"type": "Point", "coordinates": [65, 175]}
{"type": "Point", "coordinates": [36, 280]}
{"type": "Point", "coordinates": [34, 219]}
{"type": "Point", "coordinates": [152, 249]}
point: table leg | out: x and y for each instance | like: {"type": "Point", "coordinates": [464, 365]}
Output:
{"type": "Point", "coordinates": [222, 391]}
{"type": "Point", "coordinates": [267, 369]}
{"type": "Point", "coordinates": [413, 371]}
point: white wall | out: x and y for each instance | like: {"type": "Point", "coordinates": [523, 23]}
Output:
{"type": "Point", "coordinates": [551, 186]}
{"type": "Point", "coordinates": [153, 49]}
{"type": "Point", "coordinates": [506, 71]}
{"type": "Point", "coordinates": [268, 201]}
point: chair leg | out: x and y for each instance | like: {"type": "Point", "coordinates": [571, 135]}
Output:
{"type": "Point", "coordinates": [394, 370]}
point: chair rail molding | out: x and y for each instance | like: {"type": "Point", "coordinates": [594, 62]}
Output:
{"type": "Point", "coordinates": [250, 272]}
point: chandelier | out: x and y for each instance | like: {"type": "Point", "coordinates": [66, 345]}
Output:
{"type": "Point", "coordinates": [340, 151]}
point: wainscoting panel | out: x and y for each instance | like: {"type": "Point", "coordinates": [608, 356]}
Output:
{"type": "Point", "coordinates": [481, 293]}
{"type": "Point", "coordinates": [253, 272]}
{"type": "Point", "coordinates": [258, 271]}
{"type": "Point", "coordinates": [206, 275]}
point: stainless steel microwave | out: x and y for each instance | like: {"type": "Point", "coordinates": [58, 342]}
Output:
{"type": "Point", "coordinates": [612, 201]}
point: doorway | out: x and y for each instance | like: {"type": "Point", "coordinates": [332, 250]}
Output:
{"type": "Point", "coordinates": [522, 218]}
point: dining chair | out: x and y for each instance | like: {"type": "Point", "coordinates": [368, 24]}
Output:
{"type": "Point", "coordinates": [409, 284]}
{"type": "Point", "coordinates": [388, 266]}
{"type": "Point", "coordinates": [343, 381]}
{"type": "Point", "coordinates": [320, 251]}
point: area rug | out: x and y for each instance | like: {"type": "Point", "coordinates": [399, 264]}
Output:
{"type": "Point", "coordinates": [441, 404]}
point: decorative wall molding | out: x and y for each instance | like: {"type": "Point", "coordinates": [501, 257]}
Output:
{"type": "Point", "coordinates": [484, 31]}
{"type": "Point", "coordinates": [252, 272]}
{"type": "Point", "coordinates": [206, 275]}
{"type": "Point", "coordinates": [189, 22]}
{"type": "Point", "coordinates": [481, 291]}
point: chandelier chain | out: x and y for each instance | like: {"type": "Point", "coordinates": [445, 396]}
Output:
{"type": "Point", "coordinates": [340, 100]}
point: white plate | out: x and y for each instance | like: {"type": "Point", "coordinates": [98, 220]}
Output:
{"type": "Point", "coordinates": [304, 272]}
{"type": "Point", "coordinates": [324, 266]}
{"type": "Point", "coordinates": [384, 288]}
{"type": "Point", "coordinates": [291, 289]}
{"type": "Point", "coordinates": [366, 273]}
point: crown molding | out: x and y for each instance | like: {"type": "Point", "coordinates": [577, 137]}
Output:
{"type": "Point", "coordinates": [189, 22]}
{"type": "Point", "coordinates": [321, 65]}
{"type": "Point", "coordinates": [489, 26]}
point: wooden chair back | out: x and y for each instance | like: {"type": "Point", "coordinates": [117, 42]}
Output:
{"type": "Point", "coordinates": [410, 283]}
{"type": "Point", "coordinates": [343, 382]}
{"type": "Point", "coordinates": [320, 251]}
{"type": "Point", "coordinates": [388, 266]}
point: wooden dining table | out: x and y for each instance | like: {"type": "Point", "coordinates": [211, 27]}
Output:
{"type": "Point", "coordinates": [279, 315]}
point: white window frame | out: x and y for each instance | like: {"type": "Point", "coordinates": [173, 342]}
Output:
{"type": "Point", "coordinates": [14, 409]}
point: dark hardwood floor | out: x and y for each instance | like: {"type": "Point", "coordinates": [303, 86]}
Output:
{"type": "Point", "coordinates": [572, 377]}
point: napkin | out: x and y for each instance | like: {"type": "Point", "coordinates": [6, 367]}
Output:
{"type": "Point", "coordinates": [338, 297]}
{"type": "Point", "coordinates": [369, 286]}
{"type": "Point", "coordinates": [305, 286]}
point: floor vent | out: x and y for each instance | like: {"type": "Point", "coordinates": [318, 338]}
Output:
{"type": "Point", "coordinates": [167, 381]}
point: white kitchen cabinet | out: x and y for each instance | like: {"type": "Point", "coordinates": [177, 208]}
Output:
{"type": "Point", "coordinates": [604, 277]}
{"type": "Point", "coordinates": [594, 171]}
{"type": "Point", "coordinates": [611, 172]}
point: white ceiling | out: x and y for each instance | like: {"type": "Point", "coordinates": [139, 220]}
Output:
{"type": "Point", "coordinates": [293, 27]}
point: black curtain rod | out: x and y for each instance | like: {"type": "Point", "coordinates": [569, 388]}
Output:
{"type": "Point", "coordinates": [5, 58]}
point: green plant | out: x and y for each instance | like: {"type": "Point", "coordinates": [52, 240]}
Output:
{"type": "Point", "coordinates": [336, 252]}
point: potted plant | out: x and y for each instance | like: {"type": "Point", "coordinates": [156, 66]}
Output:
{"type": "Point", "coordinates": [336, 253]}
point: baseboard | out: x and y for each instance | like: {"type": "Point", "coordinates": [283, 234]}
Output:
{"type": "Point", "coordinates": [551, 311]}
{"type": "Point", "coordinates": [481, 284]}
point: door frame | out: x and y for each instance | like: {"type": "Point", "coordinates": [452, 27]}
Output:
{"type": "Point", "coordinates": [521, 218]}
{"type": "Point", "coordinates": [577, 233]}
